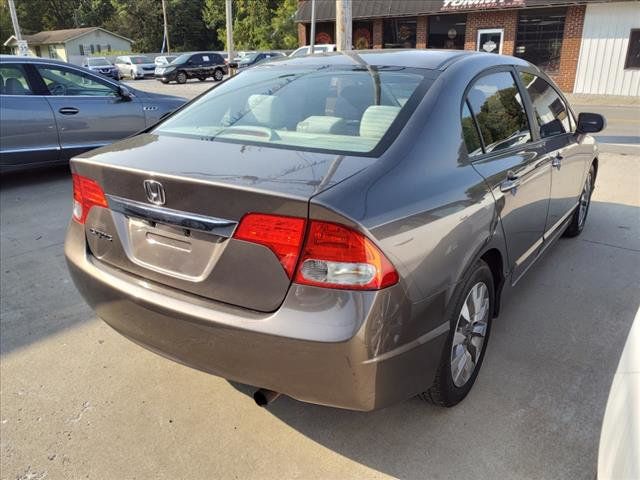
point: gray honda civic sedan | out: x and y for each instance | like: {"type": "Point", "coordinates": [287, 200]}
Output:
{"type": "Point", "coordinates": [52, 110]}
{"type": "Point", "coordinates": [338, 228]}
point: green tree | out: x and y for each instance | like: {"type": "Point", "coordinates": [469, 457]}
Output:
{"type": "Point", "coordinates": [257, 24]}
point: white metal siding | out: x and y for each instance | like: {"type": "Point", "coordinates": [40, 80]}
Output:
{"type": "Point", "coordinates": [605, 40]}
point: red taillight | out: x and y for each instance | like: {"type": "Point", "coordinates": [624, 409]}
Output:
{"type": "Point", "coordinates": [333, 256]}
{"type": "Point", "coordinates": [86, 194]}
{"type": "Point", "coordinates": [336, 256]}
{"type": "Point", "coordinates": [282, 235]}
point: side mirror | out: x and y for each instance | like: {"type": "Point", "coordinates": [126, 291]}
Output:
{"type": "Point", "coordinates": [233, 65]}
{"type": "Point", "coordinates": [591, 123]}
{"type": "Point", "coordinates": [124, 93]}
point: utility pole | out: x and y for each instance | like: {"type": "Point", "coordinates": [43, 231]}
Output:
{"type": "Point", "coordinates": [312, 43]}
{"type": "Point", "coordinates": [166, 26]}
{"type": "Point", "coordinates": [343, 25]}
{"type": "Point", "coordinates": [229, 13]}
{"type": "Point", "coordinates": [14, 20]}
{"type": "Point", "coordinates": [23, 48]}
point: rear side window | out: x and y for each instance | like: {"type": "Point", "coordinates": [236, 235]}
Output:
{"type": "Point", "coordinates": [496, 104]}
{"type": "Point", "coordinates": [13, 80]}
{"type": "Point", "coordinates": [552, 116]}
{"type": "Point", "coordinates": [351, 109]}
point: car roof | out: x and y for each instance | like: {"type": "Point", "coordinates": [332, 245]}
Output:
{"type": "Point", "coordinates": [431, 59]}
{"type": "Point", "coordinates": [21, 59]}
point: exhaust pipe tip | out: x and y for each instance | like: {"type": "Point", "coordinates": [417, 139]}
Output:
{"type": "Point", "coordinates": [264, 397]}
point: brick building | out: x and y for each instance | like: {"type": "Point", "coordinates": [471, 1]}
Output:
{"type": "Point", "coordinates": [570, 39]}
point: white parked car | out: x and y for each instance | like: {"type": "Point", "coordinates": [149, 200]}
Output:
{"type": "Point", "coordinates": [135, 66]}
{"type": "Point", "coordinates": [323, 48]}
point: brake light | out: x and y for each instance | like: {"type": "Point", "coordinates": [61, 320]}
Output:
{"type": "Point", "coordinates": [336, 256]}
{"type": "Point", "coordinates": [282, 235]}
{"type": "Point", "coordinates": [86, 194]}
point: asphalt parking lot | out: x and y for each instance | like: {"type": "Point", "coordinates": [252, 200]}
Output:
{"type": "Point", "coordinates": [77, 400]}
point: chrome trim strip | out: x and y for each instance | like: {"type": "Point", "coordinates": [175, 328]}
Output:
{"type": "Point", "coordinates": [549, 232]}
{"type": "Point", "coordinates": [52, 148]}
{"type": "Point", "coordinates": [191, 221]}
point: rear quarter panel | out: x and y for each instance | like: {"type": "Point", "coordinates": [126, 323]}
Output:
{"type": "Point", "coordinates": [424, 204]}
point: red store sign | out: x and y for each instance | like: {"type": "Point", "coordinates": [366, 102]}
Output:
{"type": "Point", "coordinates": [448, 5]}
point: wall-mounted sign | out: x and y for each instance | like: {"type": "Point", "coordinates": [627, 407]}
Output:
{"type": "Point", "coordinates": [490, 40]}
{"type": "Point", "coordinates": [479, 4]}
{"type": "Point", "coordinates": [323, 38]}
{"type": "Point", "coordinates": [23, 48]}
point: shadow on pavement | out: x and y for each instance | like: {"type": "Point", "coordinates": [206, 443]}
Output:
{"type": "Point", "coordinates": [38, 298]}
{"type": "Point", "coordinates": [537, 407]}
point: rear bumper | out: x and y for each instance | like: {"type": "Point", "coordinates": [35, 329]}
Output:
{"type": "Point", "coordinates": [354, 350]}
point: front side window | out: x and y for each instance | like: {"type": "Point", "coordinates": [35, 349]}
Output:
{"type": "Point", "coordinates": [552, 116]}
{"type": "Point", "coordinates": [539, 37]}
{"type": "Point", "coordinates": [495, 102]}
{"type": "Point", "coordinates": [350, 110]}
{"type": "Point", "coordinates": [66, 82]}
{"type": "Point", "coordinates": [633, 51]}
{"type": "Point", "coordinates": [13, 80]}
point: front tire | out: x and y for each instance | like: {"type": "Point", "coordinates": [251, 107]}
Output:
{"type": "Point", "coordinates": [181, 77]}
{"type": "Point", "coordinates": [218, 75]}
{"type": "Point", "coordinates": [470, 325]}
{"type": "Point", "coordinates": [579, 217]}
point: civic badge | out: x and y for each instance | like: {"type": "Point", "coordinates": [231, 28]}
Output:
{"type": "Point", "coordinates": [154, 191]}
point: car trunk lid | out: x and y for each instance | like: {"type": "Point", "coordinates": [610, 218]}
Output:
{"type": "Point", "coordinates": [185, 240]}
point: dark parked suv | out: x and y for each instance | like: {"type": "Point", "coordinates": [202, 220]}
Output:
{"type": "Point", "coordinates": [200, 65]}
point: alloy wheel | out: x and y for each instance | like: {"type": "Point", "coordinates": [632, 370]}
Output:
{"type": "Point", "coordinates": [217, 75]}
{"type": "Point", "coordinates": [469, 335]}
{"type": "Point", "coordinates": [585, 199]}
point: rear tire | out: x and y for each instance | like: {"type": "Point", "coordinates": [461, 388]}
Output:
{"type": "Point", "coordinates": [579, 217]}
{"type": "Point", "coordinates": [181, 77]}
{"type": "Point", "coordinates": [470, 325]}
{"type": "Point", "coordinates": [218, 75]}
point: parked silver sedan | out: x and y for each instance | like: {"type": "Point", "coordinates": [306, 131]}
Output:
{"type": "Point", "coordinates": [52, 110]}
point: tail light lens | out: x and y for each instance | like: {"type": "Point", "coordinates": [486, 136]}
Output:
{"type": "Point", "coordinates": [282, 235]}
{"type": "Point", "coordinates": [86, 194]}
{"type": "Point", "coordinates": [332, 256]}
{"type": "Point", "coordinates": [336, 256]}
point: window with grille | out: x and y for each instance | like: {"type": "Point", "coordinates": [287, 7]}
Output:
{"type": "Point", "coordinates": [539, 37]}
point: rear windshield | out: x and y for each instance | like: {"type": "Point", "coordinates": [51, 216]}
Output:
{"type": "Point", "coordinates": [98, 62]}
{"type": "Point", "coordinates": [140, 60]}
{"type": "Point", "coordinates": [338, 109]}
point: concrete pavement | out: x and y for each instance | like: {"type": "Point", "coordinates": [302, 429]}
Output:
{"type": "Point", "coordinates": [78, 400]}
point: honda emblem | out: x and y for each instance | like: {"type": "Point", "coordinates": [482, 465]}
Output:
{"type": "Point", "coordinates": [154, 191]}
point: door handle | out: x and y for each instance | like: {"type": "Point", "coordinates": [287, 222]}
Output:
{"type": "Point", "coordinates": [511, 183]}
{"type": "Point", "coordinates": [69, 110]}
{"type": "Point", "coordinates": [557, 160]}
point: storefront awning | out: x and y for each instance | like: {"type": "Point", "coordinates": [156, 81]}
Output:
{"type": "Point", "coordinates": [326, 9]}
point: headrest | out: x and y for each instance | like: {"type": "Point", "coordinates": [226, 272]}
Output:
{"type": "Point", "coordinates": [14, 87]}
{"type": "Point", "coordinates": [377, 119]}
{"type": "Point", "coordinates": [267, 110]}
{"type": "Point", "coordinates": [321, 124]}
